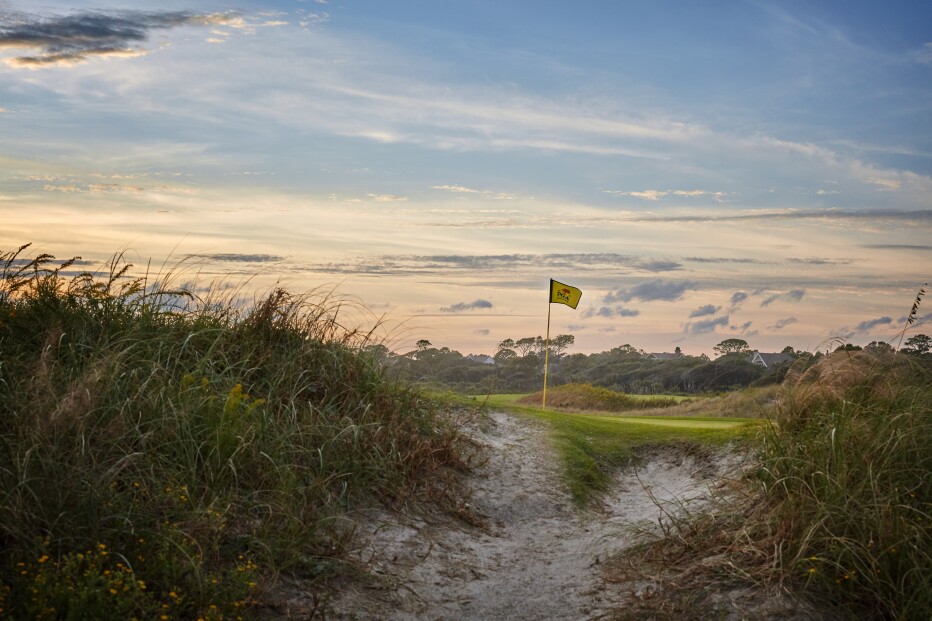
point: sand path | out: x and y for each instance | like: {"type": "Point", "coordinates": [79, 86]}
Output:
{"type": "Point", "coordinates": [536, 557]}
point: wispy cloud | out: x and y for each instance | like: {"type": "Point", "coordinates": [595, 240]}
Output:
{"type": "Point", "coordinates": [466, 306]}
{"type": "Point", "coordinates": [870, 324]}
{"type": "Point", "coordinates": [706, 325]}
{"type": "Point", "coordinates": [885, 184]}
{"type": "Point", "coordinates": [461, 189]}
{"type": "Point", "coordinates": [702, 311]}
{"type": "Point", "coordinates": [387, 198]}
{"type": "Point", "coordinates": [608, 312]}
{"type": "Point", "coordinates": [782, 323]}
{"type": "Point", "coordinates": [562, 263]}
{"type": "Point", "coordinates": [621, 311]}
{"type": "Point", "coordinates": [654, 290]}
{"type": "Point", "coordinates": [456, 189]}
{"type": "Point", "coordinates": [897, 246]}
{"type": "Point", "coordinates": [794, 295]}
{"type": "Point", "coordinates": [72, 39]}
{"type": "Point", "coordinates": [241, 258]}
{"type": "Point", "coordinates": [739, 260]}
{"type": "Point", "coordinates": [737, 299]}
{"type": "Point", "coordinates": [820, 261]}
{"type": "Point", "coordinates": [656, 195]}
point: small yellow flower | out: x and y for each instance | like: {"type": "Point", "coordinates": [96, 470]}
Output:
{"type": "Point", "coordinates": [173, 595]}
{"type": "Point", "coordinates": [812, 570]}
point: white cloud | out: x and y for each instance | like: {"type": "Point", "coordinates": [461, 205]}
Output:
{"type": "Point", "coordinates": [387, 198]}
{"type": "Point", "coordinates": [458, 189]}
{"type": "Point", "coordinates": [885, 184]}
{"type": "Point", "coordinates": [654, 195]}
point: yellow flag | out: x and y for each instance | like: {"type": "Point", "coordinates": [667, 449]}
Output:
{"type": "Point", "coordinates": [564, 294]}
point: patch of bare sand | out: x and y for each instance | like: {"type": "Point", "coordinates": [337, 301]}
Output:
{"type": "Point", "coordinates": [537, 556]}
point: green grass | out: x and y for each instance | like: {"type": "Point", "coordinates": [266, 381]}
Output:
{"type": "Point", "coordinates": [170, 452]}
{"type": "Point", "coordinates": [593, 447]}
{"type": "Point", "coordinates": [692, 422]}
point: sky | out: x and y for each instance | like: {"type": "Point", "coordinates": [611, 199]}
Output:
{"type": "Point", "coordinates": [701, 171]}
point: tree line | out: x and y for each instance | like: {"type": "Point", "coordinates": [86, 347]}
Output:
{"type": "Point", "coordinates": [518, 366]}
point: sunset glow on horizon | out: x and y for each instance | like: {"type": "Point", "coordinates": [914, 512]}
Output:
{"type": "Point", "coordinates": [700, 171]}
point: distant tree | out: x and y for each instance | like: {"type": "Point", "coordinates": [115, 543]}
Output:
{"type": "Point", "coordinates": [423, 344]}
{"type": "Point", "coordinates": [881, 346]}
{"type": "Point", "coordinates": [529, 344]}
{"type": "Point", "coordinates": [725, 373]}
{"type": "Point", "coordinates": [627, 350]}
{"type": "Point", "coordinates": [732, 346]}
{"type": "Point", "coordinates": [848, 347]}
{"type": "Point", "coordinates": [504, 354]}
{"type": "Point", "coordinates": [561, 343]}
{"type": "Point", "coordinates": [918, 345]}
{"type": "Point", "coordinates": [788, 350]}
{"type": "Point", "coordinates": [378, 352]}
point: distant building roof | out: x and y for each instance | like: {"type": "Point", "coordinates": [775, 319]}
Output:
{"type": "Point", "coordinates": [481, 358]}
{"type": "Point", "coordinates": [768, 360]}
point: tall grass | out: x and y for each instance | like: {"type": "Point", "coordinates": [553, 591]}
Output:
{"type": "Point", "coordinates": [164, 454]}
{"type": "Point", "coordinates": [847, 472]}
{"type": "Point", "coordinates": [839, 509]}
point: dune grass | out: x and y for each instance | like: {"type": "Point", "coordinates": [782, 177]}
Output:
{"type": "Point", "coordinates": [165, 454]}
{"type": "Point", "coordinates": [840, 508]}
{"type": "Point", "coordinates": [847, 473]}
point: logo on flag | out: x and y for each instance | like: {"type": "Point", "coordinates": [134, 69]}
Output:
{"type": "Point", "coordinates": [564, 294]}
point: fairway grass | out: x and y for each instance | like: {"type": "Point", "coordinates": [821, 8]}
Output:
{"type": "Point", "coordinates": [703, 422]}
{"type": "Point", "coordinates": [592, 447]}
